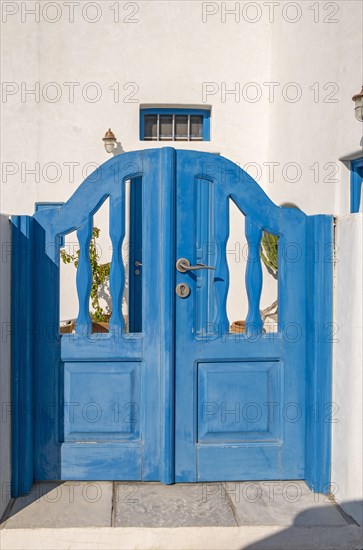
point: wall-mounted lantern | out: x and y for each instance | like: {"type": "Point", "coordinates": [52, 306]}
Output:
{"type": "Point", "coordinates": [109, 141]}
{"type": "Point", "coordinates": [358, 100]}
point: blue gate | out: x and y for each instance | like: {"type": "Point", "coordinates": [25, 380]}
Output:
{"type": "Point", "coordinates": [180, 377]}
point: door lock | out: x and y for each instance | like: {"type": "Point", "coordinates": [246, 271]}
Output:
{"type": "Point", "coordinates": [182, 290]}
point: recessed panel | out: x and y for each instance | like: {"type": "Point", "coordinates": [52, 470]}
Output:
{"type": "Point", "coordinates": [101, 401]}
{"type": "Point", "coordinates": [239, 402]}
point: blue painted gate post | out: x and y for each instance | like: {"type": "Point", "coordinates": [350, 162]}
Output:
{"type": "Point", "coordinates": [23, 333]}
{"type": "Point", "coordinates": [321, 331]}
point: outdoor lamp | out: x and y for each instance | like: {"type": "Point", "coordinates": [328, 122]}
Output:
{"type": "Point", "coordinates": [358, 100]}
{"type": "Point", "coordinates": [109, 141]}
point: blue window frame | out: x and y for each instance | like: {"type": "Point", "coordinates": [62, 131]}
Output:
{"type": "Point", "coordinates": [356, 177]}
{"type": "Point", "coordinates": [174, 124]}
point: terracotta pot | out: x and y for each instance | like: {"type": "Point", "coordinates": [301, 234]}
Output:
{"type": "Point", "coordinates": [100, 326]}
{"type": "Point", "coordinates": [237, 327]}
{"type": "Point", "coordinates": [67, 329]}
{"type": "Point", "coordinates": [97, 326]}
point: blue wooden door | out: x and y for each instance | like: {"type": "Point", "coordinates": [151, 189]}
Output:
{"type": "Point", "coordinates": [240, 398]}
{"type": "Point", "coordinates": [177, 397]}
{"type": "Point", "coordinates": [98, 395]}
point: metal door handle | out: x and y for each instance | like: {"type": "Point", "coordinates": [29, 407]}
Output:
{"type": "Point", "coordinates": [183, 265]}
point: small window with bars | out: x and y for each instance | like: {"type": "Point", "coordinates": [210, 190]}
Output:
{"type": "Point", "coordinates": [174, 125]}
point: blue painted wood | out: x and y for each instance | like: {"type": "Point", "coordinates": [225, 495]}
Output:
{"type": "Point", "coordinates": [117, 270]}
{"type": "Point", "coordinates": [293, 298]}
{"type": "Point", "coordinates": [114, 412]}
{"type": "Point", "coordinates": [46, 353]}
{"type": "Point", "coordinates": [42, 205]}
{"type": "Point", "coordinates": [356, 179]}
{"type": "Point", "coordinates": [23, 330]}
{"type": "Point", "coordinates": [237, 456]}
{"type": "Point", "coordinates": [56, 458]}
{"type": "Point", "coordinates": [322, 333]}
{"type": "Point", "coordinates": [102, 461]}
{"type": "Point", "coordinates": [190, 380]}
{"type": "Point", "coordinates": [221, 415]}
{"type": "Point", "coordinates": [135, 255]}
{"type": "Point", "coordinates": [253, 277]}
{"type": "Point", "coordinates": [219, 279]}
{"type": "Point", "coordinates": [210, 303]}
{"type": "Point", "coordinates": [167, 304]}
{"type": "Point", "coordinates": [84, 278]}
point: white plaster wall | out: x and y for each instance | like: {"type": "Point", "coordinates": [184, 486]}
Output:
{"type": "Point", "coordinates": [315, 130]}
{"type": "Point", "coordinates": [347, 430]}
{"type": "Point", "coordinates": [5, 362]}
{"type": "Point", "coordinates": [168, 55]}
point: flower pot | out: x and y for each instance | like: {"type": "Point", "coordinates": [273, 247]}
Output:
{"type": "Point", "coordinates": [100, 326]}
{"type": "Point", "coordinates": [97, 326]}
{"type": "Point", "coordinates": [67, 329]}
{"type": "Point", "coordinates": [104, 326]}
{"type": "Point", "coordinates": [237, 327]}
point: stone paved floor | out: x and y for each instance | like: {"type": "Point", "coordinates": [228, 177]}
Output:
{"type": "Point", "coordinates": [283, 505]}
{"type": "Point", "coordinates": [131, 504]}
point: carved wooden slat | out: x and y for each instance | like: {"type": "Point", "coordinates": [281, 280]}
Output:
{"type": "Point", "coordinates": [84, 278]}
{"type": "Point", "coordinates": [221, 281]}
{"type": "Point", "coordinates": [253, 278]}
{"type": "Point", "coordinates": [117, 270]}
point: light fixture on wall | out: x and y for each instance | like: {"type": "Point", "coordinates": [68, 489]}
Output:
{"type": "Point", "coordinates": [109, 141]}
{"type": "Point", "coordinates": [358, 100]}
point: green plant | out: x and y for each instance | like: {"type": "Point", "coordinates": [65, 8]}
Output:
{"type": "Point", "coordinates": [100, 274]}
{"type": "Point", "coordinates": [269, 256]}
{"type": "Point", "coordinates": [269, 252]}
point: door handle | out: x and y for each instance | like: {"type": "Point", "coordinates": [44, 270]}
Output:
{"type": "Point", "coordinates": [183, 265]}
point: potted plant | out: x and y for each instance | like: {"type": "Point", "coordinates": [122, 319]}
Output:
{"type": "Point", "coordinates": [269, 256]}
{"type": "Point", "coordinates": [100, 278]}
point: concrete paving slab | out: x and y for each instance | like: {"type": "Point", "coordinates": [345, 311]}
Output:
{"type": "Point", "coordinates": [59, 505]}
{"type": "Point", "coordinates": [184, 538]}
{"type": "Point", "coordinates": [157, 505]}
{"type": "Point", "coordinates": [281, 503]}
{"type": "Point", "coordinates": [205, 516]}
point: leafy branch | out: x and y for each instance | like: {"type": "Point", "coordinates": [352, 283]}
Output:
{"type": "Point", "coordinates": [100, 274]}
{"type": "Point", "coordinates": [269, 252]}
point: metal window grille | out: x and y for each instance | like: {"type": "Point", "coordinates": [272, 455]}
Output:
{"type": "Point", "coordinates": [173, 127]}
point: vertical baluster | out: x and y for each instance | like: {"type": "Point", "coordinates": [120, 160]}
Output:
{"type": "Point", "coordinates": [221, 274]}
{"type": "Point", "coordinates": [207, 310]}
{"type": "Point", "coordinates": [117, 270]}
{"type": "Point", "coordinates": [84, 279]}
{"type": "Point", "coordinates": [253, 278]}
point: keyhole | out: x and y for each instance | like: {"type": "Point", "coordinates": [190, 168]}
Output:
{"type": "Point", "coordinates": [182, 290]}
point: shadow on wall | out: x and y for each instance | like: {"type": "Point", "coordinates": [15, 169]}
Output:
{"type": "Point", "coordinates": [300, 534]}
{"type": "Point", "coordinates": [118, 149]}
{"type": "Point", "coordinates": [5, 266]}
{"type": "Point", "coordinates": [289, 205]}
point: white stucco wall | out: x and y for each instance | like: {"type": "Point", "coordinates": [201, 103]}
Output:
{"type": "Point", "coordinates": [173, 53]}
{"type": "Point", "coordinates": [323, 59]}
{"type": "Point", "coordinates": [5, 362]}
{"type": "Point", "coordinates": [347, 430]}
